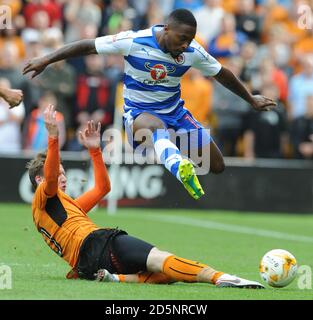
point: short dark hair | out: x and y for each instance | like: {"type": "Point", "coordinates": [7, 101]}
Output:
{"type": "Point", "coordinates": [182, 16]}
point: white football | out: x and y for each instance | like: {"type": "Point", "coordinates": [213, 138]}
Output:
{"type": "Point", "coordinates": [278, 268]}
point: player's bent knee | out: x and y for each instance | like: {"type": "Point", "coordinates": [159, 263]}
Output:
{"type": "Point", "coordinates": [156, 259]}
{"type": "Point", "coordinates": [155, 126]}
{"type": "Point", "coordinates": [148, 122]}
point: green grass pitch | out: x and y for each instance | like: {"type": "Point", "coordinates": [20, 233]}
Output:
{"type": "Point", "coordinates": [229, 241]}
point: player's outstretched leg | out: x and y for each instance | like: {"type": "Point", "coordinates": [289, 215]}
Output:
{"type": "Point", "coordinates": [164, 267]}
{"type": "Point", "coordinates": [221, 280]}
{"type": "Point", "coordinates": [182, 169]}
{"type": "Point", "coordinates": [181, 269]}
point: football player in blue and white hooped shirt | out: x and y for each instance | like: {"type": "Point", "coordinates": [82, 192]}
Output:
{"type": "Point", "coordinates": [155, 61]}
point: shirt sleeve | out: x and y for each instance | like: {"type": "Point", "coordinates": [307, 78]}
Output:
{"type": "Point", "coordinates": [115, 44]}
{"type": "Point", "coordinates": [102, 182]}
{"type": "Point", "coordinates": [52, 167]}
{"type": "Point", "coordinates": [49, 186]}
{"type": "Point", "coordinates": [203, 61]}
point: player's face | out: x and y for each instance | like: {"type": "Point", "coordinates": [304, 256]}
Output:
{"type": "Point", "coordinates": [178, 38]}
{"type": "Point", "coordinates": [62, 179]}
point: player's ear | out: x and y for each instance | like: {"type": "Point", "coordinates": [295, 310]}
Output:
{"type": "Point", "coordinates": [38, 179]}
{"type": "Point", "coordinates": [166, 28]}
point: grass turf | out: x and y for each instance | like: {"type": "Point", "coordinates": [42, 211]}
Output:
{"type": "Point", "coordinates": [213, 237]}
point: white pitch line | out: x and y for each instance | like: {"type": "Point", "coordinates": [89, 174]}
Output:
{"type": "Point", "coordinates": [27, 265]}
{"type": "Point", "coordinates": [207, 224]}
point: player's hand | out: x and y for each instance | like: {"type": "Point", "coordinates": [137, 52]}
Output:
{"type": "Point", "coordinates": [13, 97]}
{"type": "Point", "coordinates": [90, 137]}
{"type": "Point", "coordinates": [262, 103]}
{"type": "Point", "coordinates": [51, 121]}
{"type": "Point", "coordinates": [36, 66]}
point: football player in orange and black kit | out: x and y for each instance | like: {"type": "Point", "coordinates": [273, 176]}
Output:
{"type": "Point", "coordinates": [104, 254]}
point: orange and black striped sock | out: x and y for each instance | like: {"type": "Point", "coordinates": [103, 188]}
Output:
{"type": "Point", "coordinates": [145, 277]}
{"type": "Point", "coordinates": [121, 277]}
{"type": "Point", "coordinates": [186, 270]}
{"type": "Point", "coordinates": [182, 269]}
{"type": "Point", "coordinates": [154, 278]}
{"type": "Point", "coordinates": [215, 276]}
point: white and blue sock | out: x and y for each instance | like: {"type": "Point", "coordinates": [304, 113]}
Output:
{"type": "Point", "coordinates": [167, 152]}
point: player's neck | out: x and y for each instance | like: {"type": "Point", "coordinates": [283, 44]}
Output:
{"type": "Point", "coordinates": [160, 38]}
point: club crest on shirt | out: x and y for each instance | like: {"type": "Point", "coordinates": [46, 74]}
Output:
{"type": "Point", "coordinates": [159, 71]}
{"type": "Point", "coordinates": [180, 59]}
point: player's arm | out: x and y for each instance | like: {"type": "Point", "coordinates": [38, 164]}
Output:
{"type": "Point", "coordinates": [232, 83]}
{"type": "Point", "coordinates": [71, 50]}
{"type": "Point", "coordinates": [52, 163]}
{"type": "Point", "coordinates": [210, 67]}
{"type": "Point", "coordinates": [12, 96]}
{"type": "Point", "coordinates": [113, 44]}
{"type": "Point", "coordinates": [90, 138]}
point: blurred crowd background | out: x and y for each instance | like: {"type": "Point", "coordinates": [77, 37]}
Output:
{"type": "Point", "coordinates": [259, 40]}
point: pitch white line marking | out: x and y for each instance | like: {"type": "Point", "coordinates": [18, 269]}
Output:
{"type": "Point", "coordinates": [207, 224]}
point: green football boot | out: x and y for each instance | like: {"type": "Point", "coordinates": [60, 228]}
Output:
{"type": "Point", "coordinates": [189, 179]}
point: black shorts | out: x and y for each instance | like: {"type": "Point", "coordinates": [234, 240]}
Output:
{"type": "Point", "coordinates": [114, 250]}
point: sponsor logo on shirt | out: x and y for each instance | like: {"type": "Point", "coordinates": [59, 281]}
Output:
{"type": "Point", "coordinates": [159, 72]}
